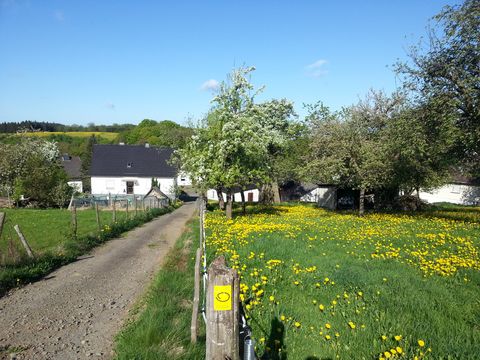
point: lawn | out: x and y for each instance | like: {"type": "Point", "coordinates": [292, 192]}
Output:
{"type": "Point", "coordinates": [49, 234]}
{"type": "Point", "coordinates": [323, 285]}
{"type": "Point", "coordinates": [47, 230]}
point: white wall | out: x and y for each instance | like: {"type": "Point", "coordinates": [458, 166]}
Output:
{"type": "Point", "coordinates": [212, 195]}
{"type": "Point", "coordinates": [453, 193]}
{"type": "Point", "coordinates": [324, 196]}
{"type": "Point", "coordinates": [76, 185]}
{"type": "Point", "coordinates": [118, 185]}
{"type": "Point", "coordinates": [183, 180]}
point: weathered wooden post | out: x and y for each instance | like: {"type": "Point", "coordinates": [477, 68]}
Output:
{"type": "Point", "coordinates": [24, 241]}
{"type": "Point", "coordinates": [97, 214]}
{"type": "Point", "coordinates": [74, 221]}
{"type": "Point", "coordinates": [114, 213]}
{"type": "Point", "coordinates": [2, 219]}
{"type": "Point", "coordinates": [196, 298]}
{"type": "Point", "coordinates": [222, 312]}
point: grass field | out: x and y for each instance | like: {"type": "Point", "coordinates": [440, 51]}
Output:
{"type": "Point", "coordinates": [325, 285]}
{"type": "Point", "coordinates": [107, 135]}
{"type": "Point", "coordinates": [47, 230]}
{"type": "Point", "coordinates": [49, 234]}
{"type": "Point", "coordinates": [160, 325]}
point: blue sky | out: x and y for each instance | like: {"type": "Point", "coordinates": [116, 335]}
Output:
{"type": "Point", "coordinates": [122, 61]}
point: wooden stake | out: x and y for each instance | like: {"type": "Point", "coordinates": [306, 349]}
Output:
{"type": "Point", "coordinates": [196, 298]}
{"type": "Point", "coordinates": [97, 213]}
{"type": "Point", "coordinates": [2, 219]}
{"type": "Point", "coordinates": [222, 312]}
{"type": "Point", "coordinates": [114, 214]}
{"type": "Point", "coordinates": [24, 241]}
{"type": "Point", "coordinates": [74, 221]}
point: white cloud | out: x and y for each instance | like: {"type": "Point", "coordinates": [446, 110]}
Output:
{"type": "Point", "coordinates": [59, 15]}
{"type": "Point", "coordinates": [210, 85]}
{"type": "Point", "coordinates": [110, 105]}
{"type": "Point", "coordinates": [316, 69]}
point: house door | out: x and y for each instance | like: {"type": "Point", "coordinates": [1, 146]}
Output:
{"type": "Point", "coordinates": [250, 197]}
{"type": "Point", "coordinates": [129, 187]}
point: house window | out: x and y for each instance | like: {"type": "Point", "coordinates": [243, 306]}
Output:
{"type": "Point", "coordinates": [129, 165]}
{"type": "Point", "coordinates": [129, 187]}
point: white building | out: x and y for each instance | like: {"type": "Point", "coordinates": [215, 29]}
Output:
{"type": "Point", "coordinates": [251, 194]}
{"type": "Point", "coordinates": [461, 191]}
{"type": "Point", "coordinates": [130, 170]}
{"type": "Point", "coordinates": [323, 195]}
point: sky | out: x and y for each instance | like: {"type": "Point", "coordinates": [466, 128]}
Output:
{"type": "Point", "coordinates": [115, 61]}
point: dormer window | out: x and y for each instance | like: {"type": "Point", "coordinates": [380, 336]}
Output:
{"type": "Point", "coordinates": [129, 165]}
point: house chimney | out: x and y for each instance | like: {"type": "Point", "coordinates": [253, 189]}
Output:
{"type": "Point", "coordinates": [147, 145]}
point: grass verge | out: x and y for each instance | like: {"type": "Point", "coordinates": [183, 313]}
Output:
{"type": "Point", "coordinates": [66, 251]}
{"type": "Point", "coordinates": [160, 325]}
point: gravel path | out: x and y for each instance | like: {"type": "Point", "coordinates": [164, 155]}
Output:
{"type": "Point", "coordinates": [75, 312]}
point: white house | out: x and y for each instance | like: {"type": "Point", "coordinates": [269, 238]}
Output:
{"type": "Point", "coordinates": [323, 195]}
{"type": "Point", "coordinates": [461, 191]}
{"type": "Point", "coordinates": [130, 169]}
{"type": "Point", "coordinates": [251, 194]}
{"type": "Point", "coordinates": [183, 179]}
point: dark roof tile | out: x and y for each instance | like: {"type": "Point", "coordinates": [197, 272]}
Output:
{"type": "Point", "coordinates": [131, 160]}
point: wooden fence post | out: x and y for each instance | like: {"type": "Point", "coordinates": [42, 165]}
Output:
{"type": "Point", "coordinates": [114, 214]}
{"type": "Point", "coordinates": [2, 219]}
{"type": "Point", "coordinates": [196, 298]}
{"type": "Point", "coordinates": [74, 221]}
{"type": "Point", "coordinates": [97, 214]}
{"type": "Point", "coordinates": [222, 312]}
{"type": "Point", "coordinates": [24, 241]}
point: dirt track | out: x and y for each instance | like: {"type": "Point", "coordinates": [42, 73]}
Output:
{"type": "Point", "coordinates": [75, 312]}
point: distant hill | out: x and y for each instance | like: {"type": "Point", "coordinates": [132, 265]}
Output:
{"type": "Point", "coordinates": [33, 126]}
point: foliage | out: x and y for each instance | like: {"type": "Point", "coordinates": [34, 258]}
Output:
{"type": "Point", "coordinates": [320, 284]}
{"type": "Point", "coordinates": [31, 168]}
{"type": "Point", "coordinates": [163, 133]}
{"type": "Point", "coordinates": [447, 74]}
{"type": "Point", "coordinates": [239, 140]}
{"type": "Point", "coordinates": [349, 147]}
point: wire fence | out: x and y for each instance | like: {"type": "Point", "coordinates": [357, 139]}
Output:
{"type": "Point", "coordinates": [246, 345]}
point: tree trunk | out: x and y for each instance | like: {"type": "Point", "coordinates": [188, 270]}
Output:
{"type": "Point", "coordinates": [276, 192]}
{"type": "Point", "coordinates": [221, 202]}
{"type": "Point", "coordinates": [361, 207]}
{"type": "Point", "coordinates": [242, 194]}
{"type": "Point", "coordinates": [228, 208]}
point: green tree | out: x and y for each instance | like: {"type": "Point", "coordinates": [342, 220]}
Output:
{"type": "Point", "coordinates": [447, 73]}
{"type": "Point", "coordinates": [31, 168]}
{"type": "Point", "coordinates": [233, 145]}
{"type": "Point", "coordinates": [350, 147]}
